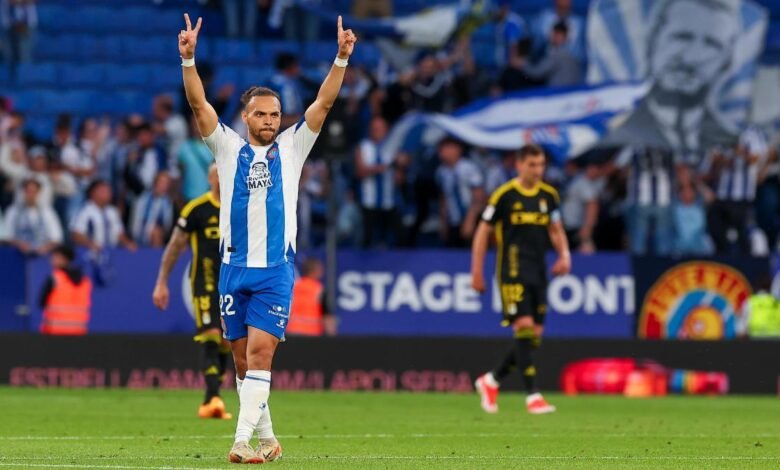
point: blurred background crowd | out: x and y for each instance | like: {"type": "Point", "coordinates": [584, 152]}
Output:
{"type": "Point", "coordinates": [97, 144]}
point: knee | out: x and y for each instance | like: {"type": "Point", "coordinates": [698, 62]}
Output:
{"type": "Point", "coordinates": [241, 366]}
{"type": "Point", "coordinates": [259, 358]}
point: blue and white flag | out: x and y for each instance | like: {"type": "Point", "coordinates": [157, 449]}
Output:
{"type": "Point", "coordinates": [567, 121]}
{"type": "Point", "coordinates": [699, 56]}
{"type": "Point", "coordinates": [430, 27]}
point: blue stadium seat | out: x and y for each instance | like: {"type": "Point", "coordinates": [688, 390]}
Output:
{"type": "Point", "coordinates": [233, 51]}
{"type": "Point", "coordinates": [129, 102]}
{"type": "Point", "coordinates": [137, 19]}
{"type": "Point", "coordinates": [91, 75]}
{"type": "Point", "coordinates": [129, 76]}
{"type": "Point", "coordinates": [100, 48]}
{"type": "Point", "coordinates": [25, 100]}
{"type": "Point", "coordinates": [166, 77]}
{"type": "Point", "coordinates": [268, 50]}
{"type": "Point", "coordinates": [168, 21]}
{"type": "Point", "coordinates": [253, 76]}
{"type": "Point", "coordinates": [318, 52]}
{"type": "Point", "coordinates": [56, 101]}
{"type": "Point", "coordinates": [50, 18]}
{"type": "Point", "coordinates": [61, 47]}
{"type": "Point", "coordinates": [37, 74]}
{"type": "Point", "coordinates": [100, 20]}
{"type": "Point", "coordinates": [150, 49]}
{"type": "Point", "coordinates": [228, 74]}
{"type": "Point", "coordinates": [368, 54]}
{"type": "Point", "coordinates": [41, 127]}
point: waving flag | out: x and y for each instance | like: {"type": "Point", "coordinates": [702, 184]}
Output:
{"type": "Point", "coordinates": [565, 121]}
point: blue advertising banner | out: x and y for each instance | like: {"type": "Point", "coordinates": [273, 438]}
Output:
{"type": "Point", "coordinates": [13, 287]}
{"type": "Point", "coordinates": [424, 293]}
{"type": "Point", "coordinates": [397, 293]}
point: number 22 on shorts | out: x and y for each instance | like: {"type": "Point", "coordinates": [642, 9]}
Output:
{"type": "Point", "coordinates": [226, 305]}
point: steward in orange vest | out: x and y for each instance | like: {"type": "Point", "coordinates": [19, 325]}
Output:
{"type": "Point", "coordinates": [308, 314]}
{"type": "Point", "coordinates": [66, 297]}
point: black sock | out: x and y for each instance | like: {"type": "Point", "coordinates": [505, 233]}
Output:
{"type": "Point", "coordinates": [211, 369]}
{"type": "Point", "coordinates": [507, 365]}
{"type": "Point", "coordinates": [525, 363]}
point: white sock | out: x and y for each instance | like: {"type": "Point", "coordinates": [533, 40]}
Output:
{"type": "Point", "coordinates": [239, 382]}
{"type": "Point", "coordinates": [265, 428]}
{"type": "Point", "coordinates": [254, 400]}
{"type": "Point", "coordinates": [491, 380]}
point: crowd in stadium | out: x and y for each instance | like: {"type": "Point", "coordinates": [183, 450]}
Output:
{"type": "Point", "coordinates": [104, 182]}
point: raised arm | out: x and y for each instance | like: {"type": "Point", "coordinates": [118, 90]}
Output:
{"type": "Point", "coordinates": [196, 96]}
{"type": "Point", "coordinates": [329, 91]}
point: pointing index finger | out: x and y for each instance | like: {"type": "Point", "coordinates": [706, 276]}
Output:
{"type": "Point", "coordinates": [187, 20]}
{"type": "Point", "coordinates": [341, 29]}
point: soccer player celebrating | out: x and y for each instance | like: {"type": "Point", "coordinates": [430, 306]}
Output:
{"type": "Point", "coordinates": [258, 182]}
{"type": "Point", "coordinates": [524, 214]}
{"type": "Point", "coordinates": [198, 224]}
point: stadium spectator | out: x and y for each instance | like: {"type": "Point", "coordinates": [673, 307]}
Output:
{"type": "Point", "coordinates": [372, 8]}
{"type": "Point", "coordinates": [171, 129]}
{"type": "Point", "coordinates": [427, 84]}
{"type": "Point", "coordinates": [120, 143]}
{"type": "Point", "coordinates": [38, 169]}
{"type": "Point", "coordinates": [374, 169]}
{"type": "Point", "coordinates": [194, 160]}
{"type": "Point", "coordinates": [66, 296]}
{"type": "Point", "coordinates": [92, 137]}
{"type": "Point", "coordinates": [471, 82]}
{"type": "Point", "coordinates": [152, 218]}
{"type": "Point", "coordinates": [287, 82]}
{"type": "Point", "coordinates": [768, 198]}
{"type": "Point", "coordinates": [309, 313]}
{"type": "Point", "coordinates": [312, 202]}
{"type": "Point", "coordinates": [733, 174]}
{"type": "Point", "coordinates": [580, 207]}
{"type": "Point", "coordinates": [31, 224]}
{"type": "Point", "coordinates": [499, 170]}
{"type": "Point", "coordinates": [510, 29]}
{"type": "Point", "coordinates": [462, 194]}
{"type": "Point", "coordinates": [559, 67]}
{"type": "Point", "coordinates": [761, 312]}
{"type": "Point", "coordinates": [19, 22]}
{"type": "Point", "coordinates": [651, 174]}
{"type": "Point", "coordinates": [690, 223]}
{"type": "Point", "coordinates": [513, 76]}
{"type": "Point", "coordinates": [13, 151]}
{"type": "Point", "coordinates": [240, 17]}
{"type": "Point", "coordinates": [144, 162]}
{"type": "Point", "coordinates": [98, 224]}
{"type": "Point", "coordinates": [561, 12]}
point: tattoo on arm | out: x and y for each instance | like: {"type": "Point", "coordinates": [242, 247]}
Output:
{"type": "Point", "coordinates": [175, 246]}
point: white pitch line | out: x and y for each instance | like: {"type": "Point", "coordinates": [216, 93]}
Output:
{"type": "Point", "coordinates": [395, 436]}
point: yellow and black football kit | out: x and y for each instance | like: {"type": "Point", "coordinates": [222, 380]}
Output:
{"type": "Point", "coordinates": [521, 218]}
{"type": "Point", "coordinates": [200, 219]}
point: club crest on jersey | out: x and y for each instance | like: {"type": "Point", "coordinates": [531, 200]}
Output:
{"type": "Point", "coordinates": [543, 206]}
{"type": "Point", "coordinates": [259, 176]}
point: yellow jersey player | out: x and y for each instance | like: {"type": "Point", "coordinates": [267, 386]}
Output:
{"type": "Point", "coordinates": [198, 226]}
{"type": "Point", "coordinates": [525, 217]}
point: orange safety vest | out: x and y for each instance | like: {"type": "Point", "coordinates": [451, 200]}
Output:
{"type": "Point", "coordinates": [67, 307]}
{"type": "Point", "coordinates": [306, 312]}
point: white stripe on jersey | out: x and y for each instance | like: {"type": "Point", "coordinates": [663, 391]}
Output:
{"type": "Point", "coordinates": [245, 238]}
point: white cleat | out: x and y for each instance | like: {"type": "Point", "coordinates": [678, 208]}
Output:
{"type": "Point", "coordinates": [270, 450]}
{"type": "Point", "coordinates": [242, 452]}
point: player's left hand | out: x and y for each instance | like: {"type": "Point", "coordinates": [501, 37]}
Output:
{"type": "Point", "coordinates": [160, 296]}
{"type": "Point", "coordinates": [562, 266]}
{"type": "Point", "coordinates": [347, 40]}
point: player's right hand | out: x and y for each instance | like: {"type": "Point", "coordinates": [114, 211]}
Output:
{"type": "Point", "coordinates": [160, 296]}
{"type": "Point", "coordinates": [188, 38]}
{"type": "Point", "coordinates": [478, 283]}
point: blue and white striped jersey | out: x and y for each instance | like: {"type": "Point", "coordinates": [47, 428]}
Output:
{"type": "Point", "coordinates": [259, 193]}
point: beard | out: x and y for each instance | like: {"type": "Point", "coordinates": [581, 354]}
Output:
{"type": "Point", "coordinates": [260, 136]}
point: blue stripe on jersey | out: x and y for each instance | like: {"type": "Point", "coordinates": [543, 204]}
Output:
{"type": "Point", "coordinates": [274, 209]}
{"type": "Point", "coordinates": [239, 230]}
{"type": "Point", "coordinates": [379, 180]}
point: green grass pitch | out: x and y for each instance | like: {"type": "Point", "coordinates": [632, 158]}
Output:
{"type": "Point", "coordinates": [140, 429]}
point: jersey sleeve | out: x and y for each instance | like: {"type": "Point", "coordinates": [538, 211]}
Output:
{"type": "Point", "coordinates": [187, 218]}
{"type": "Point", "coordinates": [224, 142]}
{"type": "Point", "coordinates": [302, 139]}
{"type": "Point", "coordinates": [492, 212]}
{"type": "Point", "coordinates": [554, 202]}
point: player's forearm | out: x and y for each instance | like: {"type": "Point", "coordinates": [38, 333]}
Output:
{"type": "Point", "coordinates": [479, 249]}
{"type": "Point", "coordinates": [559, 241]}
{"type": "Point", "coordinates": [170, 256]}
{"type": "Point", "coordinates": [329, 90]}
{"type": "Point", "coordinates": [193, 88]}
